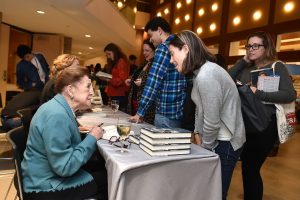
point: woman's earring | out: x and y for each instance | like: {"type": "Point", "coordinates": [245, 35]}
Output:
{"type": "Point", "coordinates": [72, 97]}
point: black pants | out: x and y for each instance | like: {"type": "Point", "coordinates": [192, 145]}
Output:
{"type": "Point", "coordinates": [256, 150]}
{"type": "Point", "coordinates": [96, 189]}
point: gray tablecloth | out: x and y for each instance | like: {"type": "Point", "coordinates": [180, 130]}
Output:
{"type": "Point", "coordinates": [137, 176]}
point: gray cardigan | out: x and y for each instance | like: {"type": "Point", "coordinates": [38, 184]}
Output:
{"type": "Point", "coordinates": [218, 106]}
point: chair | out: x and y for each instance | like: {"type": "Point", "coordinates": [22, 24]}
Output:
{"type": "Point", "coordinates": [26, 115]}
{"type": "Point", "coordinates": [18, 138]}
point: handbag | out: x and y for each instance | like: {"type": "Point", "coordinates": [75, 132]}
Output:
{"type": "Point", "coordinates": [255, 116]}
{"type": "Point", "coordinates": [286, 121]}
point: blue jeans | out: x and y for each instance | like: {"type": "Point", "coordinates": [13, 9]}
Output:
{"type": "Point", "coordinates": [11, 123]}
{"type": "Point", "coordinates": [164, 122]}
{"type": "Point", "coordinates": [228, 158]}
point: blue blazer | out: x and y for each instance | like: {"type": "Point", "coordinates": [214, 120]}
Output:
{"type": "Point", "coordinates": [27, 74]}
{"type": "Point", "coordinates": [54, 151]}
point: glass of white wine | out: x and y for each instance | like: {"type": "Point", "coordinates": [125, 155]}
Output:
{"type": "Point", "coordinates": [115, 106]}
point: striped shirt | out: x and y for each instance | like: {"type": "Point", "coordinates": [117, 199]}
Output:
{"type": "Point", "coordinates": [165, 86]}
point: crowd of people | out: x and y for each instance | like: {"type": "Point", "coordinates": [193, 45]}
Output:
{"type": "Point", "coordinates": [179, 84]}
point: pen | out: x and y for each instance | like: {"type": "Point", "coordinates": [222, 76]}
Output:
{"type": "Point", "coordinates": [100, 124]}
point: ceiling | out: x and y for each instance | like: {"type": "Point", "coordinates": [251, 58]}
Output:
{"type": "Point", "coordinates": [75, 19]}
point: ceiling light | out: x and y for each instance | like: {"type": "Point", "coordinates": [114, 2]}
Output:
{"type": "Point", "coordinates": [236, 20]}
{"type": "Point", "coordinates": [87, 35]}
{"type": "Point", "coordinates": [158, 14]}
{"type": "Point", "coordinates": [134, 9]}
{"type": "Point", "coordinates": [91, 48]}
{"type": "Point", "coordinates": [178, 5]}
{"type": "Point", "coordinates": [188, 1]}
{"type": "Point", "coordinates": [238, 1]}
{"type": "Point", "coordinates": [201, 12]}
{"type": "Point", "coordinates": [199, 30]}
{"type": "Point", "coordinates": [214, 7]}
{"type": "Point", "coordinates": [166, 11]}
{"type": "Point", "coordinates": [177, 20]}
{"type": "Point", "coordinates": [288, 7]}
{"type": "Point", "coordinates": [79, 53]}
{"type": "Point", "coordinates": [257, 15]}
{"type": "Point", "coordinates": [40, 12]}
{"type": "Point", "coordinates": [187, 17]}
{"type": "Point", "coordinates": [120, 4]}
{"type": "Point", "coordinates": [213, 27]}
{"type": "Point", "coordinates": [133, 26]}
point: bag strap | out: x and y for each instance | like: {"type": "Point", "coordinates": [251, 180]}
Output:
{"type": "Point", "coordinates": [273, 66]}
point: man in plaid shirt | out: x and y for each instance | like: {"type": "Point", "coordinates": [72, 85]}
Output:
{"type": "Point", "coordinates": [165, 86]}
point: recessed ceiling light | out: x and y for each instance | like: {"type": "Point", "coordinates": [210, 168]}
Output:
{"type": "Point", "coordinates": [158, 14]}
{"type": "Point", "coordinates": [87, 35]}
{"type": "Point", "coordinates": [257, 15]}
{"type": "Point", "coordinates": [91, 48]}
{"type": "Point", "coordinates": [79, 53]}
{"type": "Point", "coordinates": [289, 6]}
{"type": "Point", "coordinates": [40, 12]}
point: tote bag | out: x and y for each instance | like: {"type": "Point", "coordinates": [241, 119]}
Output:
{"type": "Point", "coordinates": [286, 121]}
{"type": "Point", "coordinates": [255, 116]}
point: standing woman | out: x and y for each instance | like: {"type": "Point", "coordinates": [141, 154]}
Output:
{"type": "Point", "coordinates": [54, 157]}
{"type": "Point", "coordinates": [138, 82]}
{"type": "Point", "coordinates": [218, 108]}
{"type": "Point", "coordinates": [261, 53]}
{"type": "Point", "coordinates": [116, 88]}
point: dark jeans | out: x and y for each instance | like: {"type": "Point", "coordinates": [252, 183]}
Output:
{"type": "Point", "coordinates": [164, 122]}
{"type": "Point", "coordinates": [228, 158]}
{"type": "Point", "coordinates": [256, 150]}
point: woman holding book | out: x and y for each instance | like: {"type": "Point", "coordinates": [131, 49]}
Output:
{"type": "Point", "coordinates": [261, 54]}
{"type": "Point", "coordinates": [218, 108]}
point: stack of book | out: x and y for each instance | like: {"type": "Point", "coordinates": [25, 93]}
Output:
{"type": "Point", "coordinates": [165, 142]}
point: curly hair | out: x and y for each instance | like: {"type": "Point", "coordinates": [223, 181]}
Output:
{"type": "Point", "coordinates": [61, 62]}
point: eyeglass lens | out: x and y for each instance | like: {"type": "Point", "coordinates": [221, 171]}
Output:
{"type": "Point", "coordinates": [253, 46]}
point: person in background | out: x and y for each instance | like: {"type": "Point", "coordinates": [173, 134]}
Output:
{"type": "Point", "coordinates": [220, 60]}
{"type": "Point", "coordinates": [133, 64]}
{"type": "Point", "coordinates": [165, 86]}
{"type": "Point", "coordinates": [138, 82]}
{"type": "Point", "coordinates": [61, 62]}
{"type": "Point", "coordinates": [261, 53]}
{"type": "Point", "coordinates": [10, 119]}
{"type": "Point", "coordinates": [32, 70]}
{"type": "Point", "coordinates": [219, 118]}
{"type": "Point", "coordinates": [116, 87]}
{"type": "Point", "coordinates": [54, 157]}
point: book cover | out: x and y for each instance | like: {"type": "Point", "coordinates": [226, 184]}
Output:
{"type": "Point", "coordinates": [165, 147]}
{"type": "Point", "coordinates": [165, 140]}
{"type": "Point", "coordinates": [166, 133]}
{"type": "Point", "coordinates": [260, 72]}
{"type": "Point", "coordinates": [165, 153]}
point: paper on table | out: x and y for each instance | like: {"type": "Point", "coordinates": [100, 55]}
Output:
{"type": "Point", "coordinates": [110, 131]}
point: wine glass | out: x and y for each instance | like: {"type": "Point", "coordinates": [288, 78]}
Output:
{"type": "Point", "coordinates": [114, 106]}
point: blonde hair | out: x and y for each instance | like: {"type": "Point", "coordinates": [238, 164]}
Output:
{"type": "Point", "coordinates": [61, 62]}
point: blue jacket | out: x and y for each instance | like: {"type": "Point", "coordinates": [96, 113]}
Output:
{"type": "Point", "coordinates": [27, 74]}
{"type": "Point", "coordinates": [54, 151]}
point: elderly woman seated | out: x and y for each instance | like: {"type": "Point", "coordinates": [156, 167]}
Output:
{"type": "Point", "coordinates": [55, 156]}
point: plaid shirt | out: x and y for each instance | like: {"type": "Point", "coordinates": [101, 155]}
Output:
{"type": "Point", "coordinates": [165, 86]}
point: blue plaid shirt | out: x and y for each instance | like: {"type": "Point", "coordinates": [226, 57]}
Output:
{"type": "Point", "coordinates": [165, 86]}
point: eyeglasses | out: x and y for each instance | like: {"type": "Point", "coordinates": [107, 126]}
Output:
{"type": "Point", "coordinates": [116, 141]}
{"type": "Point", "coordinates": [253, 46]}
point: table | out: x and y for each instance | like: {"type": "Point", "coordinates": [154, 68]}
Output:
{"type": "Point", "coordinates": [136, 175]}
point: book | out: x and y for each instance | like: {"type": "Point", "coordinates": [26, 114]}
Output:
{"type": "Point", "coordinates": [170, 146]}
{"type": "Point", "coordinates": [166, 140]}
{"type": "Point", "coordinates": [110, 131]}
{"type": "Point", "coordinates": [165, 152]}
{"type": "Point", "coordinates": [166, 133]}
{"type": "Point", "coordinates": [260, 72]}
{"type": "Point", "coordinates": [103, 75]}
{"type": "Point", "coordinates": [134, 138]}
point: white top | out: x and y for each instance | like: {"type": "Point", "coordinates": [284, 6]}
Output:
{"type": "Point", "coordinates": [38, 65]}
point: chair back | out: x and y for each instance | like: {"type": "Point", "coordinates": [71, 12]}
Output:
{"type": "Point", "coordinates": [26, 115]}
{"type": "Point", "coordinates": [18, 138]}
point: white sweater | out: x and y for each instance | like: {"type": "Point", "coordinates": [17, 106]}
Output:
{"type": "Point", "coordinates": [218, 107]}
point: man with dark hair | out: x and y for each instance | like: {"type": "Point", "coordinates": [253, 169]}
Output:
{"type": "Point", "coordinates": [165, 86]}
{"type": "Point", "coordinates": [32, 70]}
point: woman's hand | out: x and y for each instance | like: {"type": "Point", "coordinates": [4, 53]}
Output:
{"type": "Point", "coordinates": [138, 82]}
{"type": "Point", "coordinates": [97, 132]}
{"type": "Point", "coordinates": [128, 82]}
{"type": "Point", "coordinates": [197, 139]}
